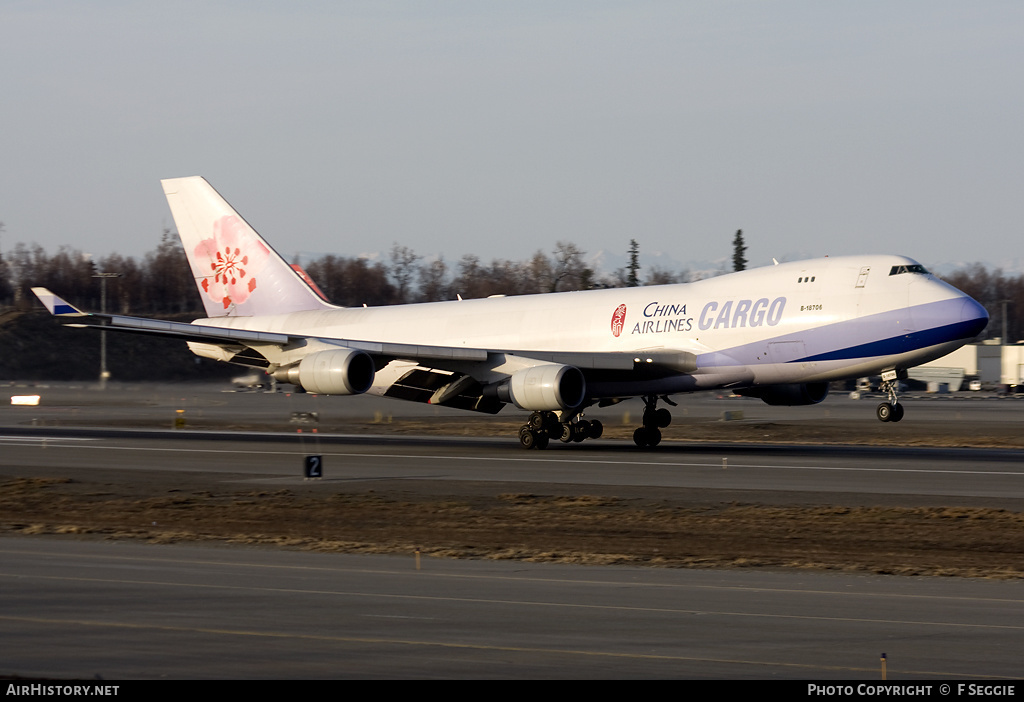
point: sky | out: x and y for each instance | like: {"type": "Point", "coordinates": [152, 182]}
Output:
{"type": "Point", "coordinates": [500, 128]}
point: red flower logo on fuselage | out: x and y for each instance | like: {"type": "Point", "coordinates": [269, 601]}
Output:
{"type": "Point", "coordinates": [618, 319]}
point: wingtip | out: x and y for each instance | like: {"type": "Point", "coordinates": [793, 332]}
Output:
{"type": "Point", "coordinates": [56, 305]}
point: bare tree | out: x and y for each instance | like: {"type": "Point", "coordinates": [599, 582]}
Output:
{"type": "Point", "coordinates": [470, 281]}
{"type": "Point", "coordinates": [169, 282]}
{"type": "Point", "coordinates": [660, 276]}
{"type": "Point", "coordinates": [434, 281]}
{"type": "Point", "coordinates": [351, 281]}
{"type": "Point", "coordinates": [568, 270]}
{"type": "Point", "coordinates": [538, 274]}
{"type": "Point", "coordinates": [402, 270]}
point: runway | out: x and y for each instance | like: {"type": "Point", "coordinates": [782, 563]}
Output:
{"type": "Point", "coordinates": [885, 473]}
{"type": "Point", "coordinates": [123, 610]}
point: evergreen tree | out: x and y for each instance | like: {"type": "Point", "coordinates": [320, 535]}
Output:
{"type": "Point", "coordinates": [633, 277]}
{"type": "Point", "coordinates": [739, 250]}
{"type": "Point", "coordinates": [6, 287]}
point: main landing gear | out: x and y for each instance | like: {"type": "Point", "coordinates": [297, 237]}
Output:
{"type": "Point", "coordinates": [654, 421]}
{"type": "Point", "coordinates": [544, 426]}
{"type": "Point", "coordinates": [891, 411]}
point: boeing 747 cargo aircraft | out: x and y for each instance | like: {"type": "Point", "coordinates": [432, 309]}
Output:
{"type": "Point", "coordinates": [780, 333]}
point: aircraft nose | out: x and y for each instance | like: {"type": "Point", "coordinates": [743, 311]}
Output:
{"type": "Point", "coordinates": [973, 316]}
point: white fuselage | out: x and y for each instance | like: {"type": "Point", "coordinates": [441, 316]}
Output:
{"type": "Point", "coordinates": [807, 321]}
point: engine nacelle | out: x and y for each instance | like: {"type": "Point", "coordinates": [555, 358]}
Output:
{"type": "Point", "coordinates": [789, 394]}
{"type": "Point", "coordinates": [550, 386]}
{"type": "Point", "coordinates": [334, 372]}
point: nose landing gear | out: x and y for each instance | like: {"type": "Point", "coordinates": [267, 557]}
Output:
{"type": "Point", "coordinates": [891, 411]}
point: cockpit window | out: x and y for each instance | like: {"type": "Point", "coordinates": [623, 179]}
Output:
{"type": "Point", "coordinates": [916, 268]}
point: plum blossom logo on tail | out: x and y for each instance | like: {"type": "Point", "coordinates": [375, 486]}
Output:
{"type": "Point", "coordinates": [618, 319]}
{"type": "Point", "coordinates": [235, 257]}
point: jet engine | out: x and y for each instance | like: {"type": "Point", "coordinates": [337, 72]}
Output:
{"type": "Point", "coordinates": [788, 393]}
{"type": "Point", "coordinates": [550, 386]}
{"type": "Point", "coordinates": [334, 372]}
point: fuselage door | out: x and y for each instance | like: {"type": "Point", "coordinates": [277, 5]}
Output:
{"type": "Point", "coordinates": [863, 277]}
{"type": "Point", "coordinates": [781, 357]}
{"type": "Point", "coordinates": [786, 351]}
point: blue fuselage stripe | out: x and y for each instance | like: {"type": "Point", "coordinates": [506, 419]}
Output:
{"type": "Point", "coordinates": [845, 340]}
{"type": "Point", "coordinates": [903, 343]}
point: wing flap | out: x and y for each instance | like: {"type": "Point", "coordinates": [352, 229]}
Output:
{"type": "Point", "coordinates": [672, 360]}
{"type": "Point", "coordinates": [411, 352]}
{"type": "Point", "coordinates": [443, 388]}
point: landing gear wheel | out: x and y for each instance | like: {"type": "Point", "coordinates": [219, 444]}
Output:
{"type": "Point", "coordinates": [640, 437]}
{"type": "Point", "coordinates": [897, 413]}
{"type": "Point", "coordinates": [596, 429]}
{"type": "Point", "coordinates": [662, 417]}
{"type": "Point", "coordinates": [653, 437]}
{"type": "Point", "coordinates": [532, 439]}
{"type": "Point", "coordinates": [885, 412]}
{"type": "Point", "coordinates": [567, 433]}
{"type": "Point", "coordinates": [647, 436]}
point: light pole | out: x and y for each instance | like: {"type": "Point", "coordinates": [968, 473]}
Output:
{"type": "Point", "coordinates": [1006, 338]}
{"type": "Point", "coordinates": [104, 373]}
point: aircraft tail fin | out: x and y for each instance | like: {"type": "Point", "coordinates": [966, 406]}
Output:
{"type": "Point", "coordinates": [238, 274]}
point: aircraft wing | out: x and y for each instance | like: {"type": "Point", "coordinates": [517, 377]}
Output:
{"type": "Point", "coordinates": [439, 357]}
{"type": "Point", "coordinates": [71, 316]}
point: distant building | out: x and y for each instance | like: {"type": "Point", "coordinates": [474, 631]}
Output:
{"type": "Point", "coordinates": [990, 362]}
